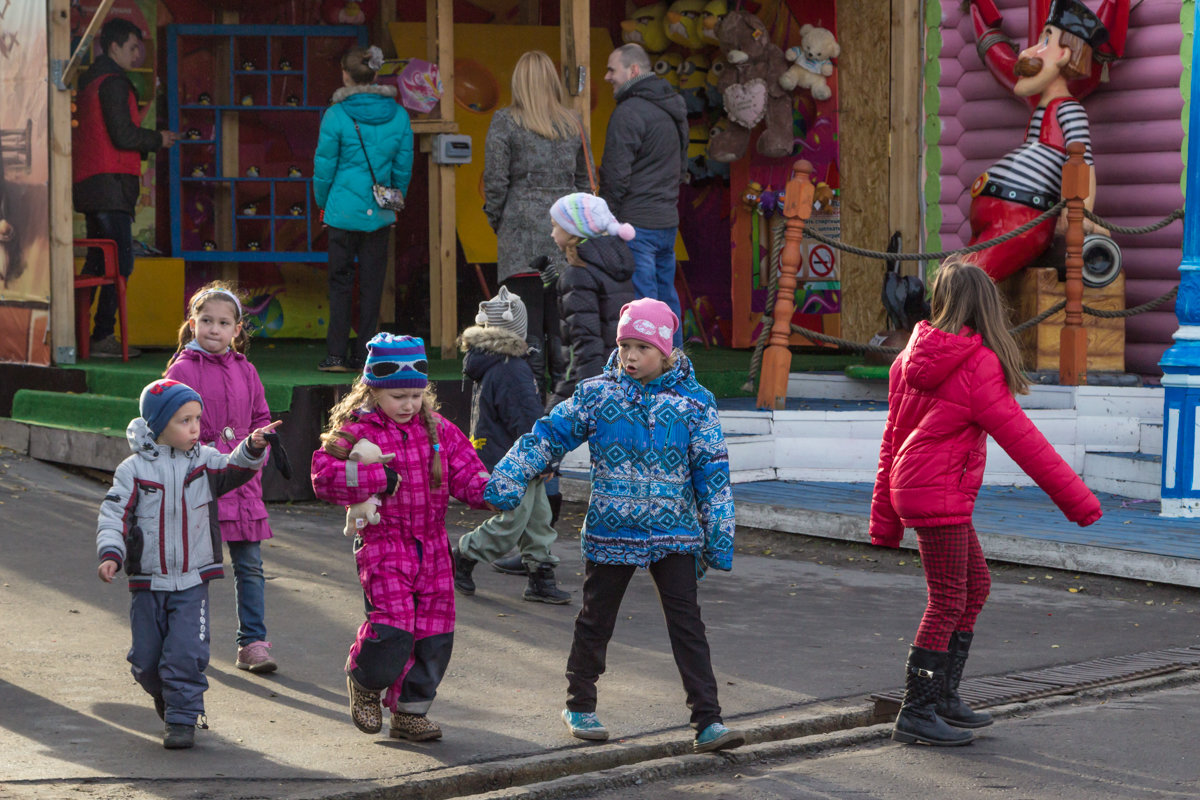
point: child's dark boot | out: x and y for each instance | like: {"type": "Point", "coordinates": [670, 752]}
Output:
{"type": "Point", "coordinates": [543, 589]}
{"type": "Point", "coordinates": [951, 707]}
{"type": "Point", "coordinates": [178, 736]}
{"type": "Point", "coordinates": [925, 681]}
{"type": "Point", "coordinates": [512, 565]}
{"type": "Point", "coordinates": [463, 567]}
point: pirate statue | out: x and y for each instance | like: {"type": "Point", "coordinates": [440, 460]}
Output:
{"type": "Point", "coordinates": [1027, 181]}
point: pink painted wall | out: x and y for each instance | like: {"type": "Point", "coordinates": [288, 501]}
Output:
{"type": "Point", "coordinates": [1137, 137]}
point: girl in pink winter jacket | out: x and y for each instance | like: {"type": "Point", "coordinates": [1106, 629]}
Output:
{"type": "Point", "coordinates": [403, 561]}
{"type": "Point", "coordinates": [211, 359]}
{"type": "Point", "coordinates": [952, 387]}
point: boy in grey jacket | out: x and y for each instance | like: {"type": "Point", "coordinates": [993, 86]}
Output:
{"type": "Point", "coordinates": [160, 522]}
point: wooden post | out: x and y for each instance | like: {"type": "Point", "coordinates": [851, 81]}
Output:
{"type": "Point", "coordinates": [62, 259]}
{"type": "Point", "coordinates": [777, 360]}
{"type": "Point", "coordinates": [907, 113]}
{"type": "Point", "coordinates": [576, 55]}
{"type": "Point", "coordinates": [443, 249]}
{"type": "Point", "coordinates": [1072, 365]}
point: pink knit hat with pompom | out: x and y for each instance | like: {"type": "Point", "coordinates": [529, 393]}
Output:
{"type": "Point", "coordinates": [587, 216]}
{"type": "Point", "coordinates": [650, 321]}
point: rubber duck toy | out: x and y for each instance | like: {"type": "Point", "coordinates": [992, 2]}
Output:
{"type": "Point", "coordinates": [253, 245]}
{"type": "Point", "coordinates": [293, 100]}
{"type": "Point", "coordinates": [209, 244]}
{"type": "Point", "coordinates": [666, 66]}
{"type": "Point", "coordinates": [198, 171]}
{"type": "Point", "coordinates": [683, 23]}
{"type": "Point", "coordinates": [296, 210]}
{"type": "Point", "coordinates": [250, 209]}
{"type": "Point", "coordinates": [294, 172]}
{"type": "Point", "coordinates": [645, 27]}
{"type": "Point", "coordinates": [193, 133]}
{"type": "Point", "coordinates": [284, 64]}
{"type": "Point", "coordinates": [248, 65]}
{"type": "Point", "coordinates": [205, 99]}
{"type": "Point", "coordinates": [248, 100]}
{"type": "Point", "coordinates": [251, 171]}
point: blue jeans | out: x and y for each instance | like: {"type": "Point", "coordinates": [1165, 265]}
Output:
{"type": "Point", "coordinates": [118, 226]}
{"type": "Point", "coordinates": [248, 586]}
{"type": "Point", "coordinates": [654, 269]}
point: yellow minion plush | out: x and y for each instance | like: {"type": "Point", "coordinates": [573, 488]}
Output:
{"type": "Point", "coordinates": [666, 66]}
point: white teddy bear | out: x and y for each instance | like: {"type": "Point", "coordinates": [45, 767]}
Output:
{"type": "Point", "coordinates": [360, 515]}
{"type": "Point", "coordinates": [812, 62]}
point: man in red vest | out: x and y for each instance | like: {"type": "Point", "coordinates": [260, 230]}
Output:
{"type": "Point", "coordinates": [107, 150]}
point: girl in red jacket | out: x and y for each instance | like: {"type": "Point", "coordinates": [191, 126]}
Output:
{"type": "Point", "coordinates": [951, 388]}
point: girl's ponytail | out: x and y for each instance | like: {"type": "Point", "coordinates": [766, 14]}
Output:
{"type": "Point", "coordinates": [429, 419]}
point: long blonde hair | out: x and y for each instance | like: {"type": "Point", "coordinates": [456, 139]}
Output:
{"type": "Point", "coordinates": [337, 441]}
{"type": "Point", "coordinates": [213, 293]}
{"type": "Point", "coordinates": [537, 98]}
{"type": "Point", "coordinates": [963, 294]}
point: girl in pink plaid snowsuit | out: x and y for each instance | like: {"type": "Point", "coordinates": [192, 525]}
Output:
{"type": "Point", "coordinates": [404, 561]}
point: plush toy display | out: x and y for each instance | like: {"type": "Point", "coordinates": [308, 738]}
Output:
{"type": "Point", "coordinates": [693, 82]}
{"type": "Point", "coordinates": [646, 27]}
{"type": "Point", "coordinates": [812, 62]}
{"type": "Point", "coordinates": [349, 12]}
{"type": "Point", "coordinates": [751, 91]}
{"type": "Point", "coordinates": [360, 515]}
{"type": "Point", "coordinates": [683, 23]}
{"type": "Point", "coordinates": [666, 66]}
{"type": "Point", "coordinates": [710, 21]}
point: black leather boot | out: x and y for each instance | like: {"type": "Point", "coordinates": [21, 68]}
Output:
{"type": "Point", "coordinates": [463, 567]}
{"type": "Point", "coordinates": [924, 682]}
{"type": "Point", "coordinates": [543, 589]}
{"type": "Point", "coordinates": [951, 707]}
{"type": "Point", "coordinates": [511, 565]}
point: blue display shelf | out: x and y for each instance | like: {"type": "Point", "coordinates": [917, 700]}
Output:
{"type": "Point", "coordinates": [271, 42]}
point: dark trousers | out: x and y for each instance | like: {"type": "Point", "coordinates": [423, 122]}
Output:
{"type": "Point", "coordinates": [118, 226]}
{"type": "Point", "coordinates": [370, 248]}
{"type": "Point", "coordinates": [957, 578]}
{"type": "Point", "coordinates": [543, 334]}
{"type": "Point", "coordinates": [603, 588]}
{"type": "Point", "coordinates": [170, 648]}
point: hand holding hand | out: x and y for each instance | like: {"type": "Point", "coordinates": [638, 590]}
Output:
{"type": "Point", "coordinates": [107, 570]}
{"type": "Point", "coordinates": [258, 438]}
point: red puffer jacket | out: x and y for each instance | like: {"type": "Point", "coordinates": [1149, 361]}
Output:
{"type": "Point", "coordinates": [946, 394]}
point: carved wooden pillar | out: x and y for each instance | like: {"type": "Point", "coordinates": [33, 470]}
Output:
{"type": "Point", "coordinates": [1072, 365]}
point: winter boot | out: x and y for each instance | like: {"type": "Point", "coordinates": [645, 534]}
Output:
{"type": "Point", "coordinates": [951, 707]}
{"type": "Point", "coordinates": [924, 682]}
{"type": "Point", "coordinates": [511, 565]}
{"type": "Point", "coordinates": [555, 507]}
{"type": "Point", "coordinates": [463, 567]}
{"type": "Point", "coordinates": [542, 588]}
{"type": "Point", "coordinates": [178, 736]}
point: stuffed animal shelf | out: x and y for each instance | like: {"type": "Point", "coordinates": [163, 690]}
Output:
{"type": "Point", "coordinates": [751, 92]}
{"type": "Point", "coordinates": [812, 62]}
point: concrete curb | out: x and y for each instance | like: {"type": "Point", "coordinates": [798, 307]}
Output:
{"type": "Point", "coordinates": [803, 746]}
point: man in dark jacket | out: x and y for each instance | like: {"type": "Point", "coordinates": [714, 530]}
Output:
{"type": "Point", "coordinates": [504, 406]}
{"type": "Point", "coordinates": [645, 161]}
{"type": "Point", "coordinates": [107, 150]}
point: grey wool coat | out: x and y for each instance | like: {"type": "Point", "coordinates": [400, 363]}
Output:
{"type": "Point", "coordinates": [523, 174]}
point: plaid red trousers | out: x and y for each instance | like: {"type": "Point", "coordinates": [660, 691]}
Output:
{"type": "Point", "coordinates": [957, 578]}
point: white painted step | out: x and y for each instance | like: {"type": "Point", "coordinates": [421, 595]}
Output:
{"type": "Point", "coordinates": [1135, 475]}
{"type": "Point", "coordinates": [1150, 437]}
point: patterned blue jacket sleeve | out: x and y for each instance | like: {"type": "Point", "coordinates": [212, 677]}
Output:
{"type": "Point", "coordinates": [552, 437]}
{"type": "Point", "coordinates": [709, 461]}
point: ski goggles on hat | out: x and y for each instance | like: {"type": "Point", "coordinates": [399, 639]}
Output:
{"type": "Point", "coordinates": [389, 369]}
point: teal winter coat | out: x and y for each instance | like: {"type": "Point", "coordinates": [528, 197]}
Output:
{"type": "Point", "coordinates": [660, 470]}
{"type": "Point", "coordinates": [341, 180]}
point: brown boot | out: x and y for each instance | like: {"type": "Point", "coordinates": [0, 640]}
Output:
{"type": "Point", "coordinates": [414, 728]}
{"type": "Point", "coordinates": [364, 707]}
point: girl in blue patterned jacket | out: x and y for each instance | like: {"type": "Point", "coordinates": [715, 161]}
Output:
{"type": "Point", "coordinates": [660, 499]}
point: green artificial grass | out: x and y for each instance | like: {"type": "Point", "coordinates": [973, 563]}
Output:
{"type": "Point", "coordinates": [868, 372]}
{"type": "Point", "coordinates": [88, 412]}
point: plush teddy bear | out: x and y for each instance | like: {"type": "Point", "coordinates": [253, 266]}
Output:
{"type": "Point", "coordinates": [813, 62]}
{"type": "Point", "coordinates": [360, 515]}
{"type": "Point", "coordinates": [750, 89]}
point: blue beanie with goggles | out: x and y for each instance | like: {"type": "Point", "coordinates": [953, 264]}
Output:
{"type": "Point", "coordinates": [396, 362]}
{"type": "Point", "coordinates": [161, 399]}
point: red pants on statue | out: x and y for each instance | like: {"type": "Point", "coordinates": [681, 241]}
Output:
{"type": "Point", "coordinates": [992, 217]}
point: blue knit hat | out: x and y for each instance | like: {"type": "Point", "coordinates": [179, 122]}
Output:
{"type": "Point", "coordinates": [396, 362]}
{"type": "Point", "coordinates": [161, 399]}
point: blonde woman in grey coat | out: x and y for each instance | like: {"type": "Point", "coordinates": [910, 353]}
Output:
{"type": "Point", "coordinates": [533, 155]}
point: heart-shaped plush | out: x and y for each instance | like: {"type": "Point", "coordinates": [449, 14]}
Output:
{"type": "Point", "coordinates": [746, 103]}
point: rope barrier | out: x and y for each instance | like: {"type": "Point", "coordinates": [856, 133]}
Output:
{"type": "Point", "coordinates": [1162, 223]}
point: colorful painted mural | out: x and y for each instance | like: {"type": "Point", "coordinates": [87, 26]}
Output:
{"type": "Point", "coordinates": [24, 185]}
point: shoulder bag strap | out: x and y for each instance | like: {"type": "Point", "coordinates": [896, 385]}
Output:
{"type": "Point", "coordinates": [367, 157]}
{"type": "Point", "coordinates": [587, 157]}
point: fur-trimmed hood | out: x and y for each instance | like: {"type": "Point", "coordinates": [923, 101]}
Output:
{"type": "Point", "coordinates": [370, 103]}
{"type": "Point", "coordinates": [487, 346]}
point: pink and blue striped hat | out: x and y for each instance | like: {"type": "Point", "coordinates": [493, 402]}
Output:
{"type": "Point", "coordinates": [396, 362]}
{"type": "Point", "coordinates": [587, 216]}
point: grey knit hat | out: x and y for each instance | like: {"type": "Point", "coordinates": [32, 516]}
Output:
{"type": "Point", "coordinates": [505, 310]}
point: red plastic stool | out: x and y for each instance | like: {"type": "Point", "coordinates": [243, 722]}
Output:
{"type": "Point", "coordinates": [83, 299]}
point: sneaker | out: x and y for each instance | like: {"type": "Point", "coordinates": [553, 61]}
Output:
{"type": "Point", "coordinates": [178, 736]}
{"type": "Point", "coordinates": [160, 707]}
{"type": "Point", "coordinates": [109, 347]}
{"type": "Point", "coordinates": [584, 725]}
{"type": "Point", "coordinates": [255, 658]}
{"type": "Point", "coordinates": [364, 707]}
{"type": "Point", "coordinates": [333, 364]}
{"type": "Point", "coordinates": [414, 728]}
{"type": "Point", "coordinates": [463, 567]}
{"type": "Point", "coordinates": [717, 737]}
{"type": "Point", "coordinates": [513, 565]}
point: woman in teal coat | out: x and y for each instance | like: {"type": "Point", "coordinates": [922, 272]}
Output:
{"type": "Point", "coordinates": [365, 130]}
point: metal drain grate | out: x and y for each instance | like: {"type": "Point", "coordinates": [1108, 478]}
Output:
{"type": "Point", "coordinates": [1000, 689]}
